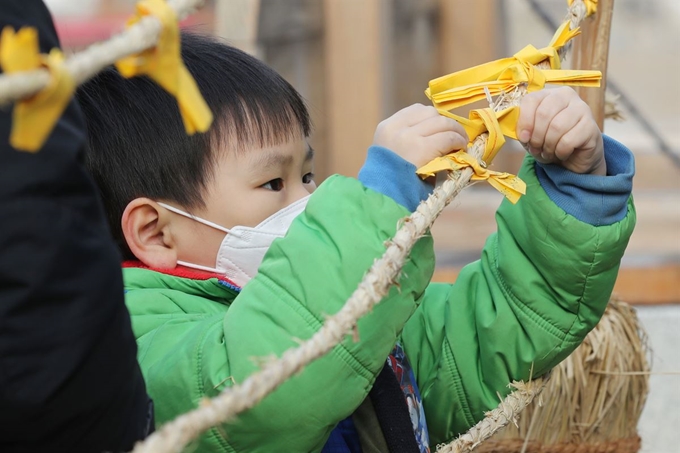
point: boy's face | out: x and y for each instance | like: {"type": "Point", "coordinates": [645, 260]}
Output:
{"type": "Point", "coordinates": [247, 187]}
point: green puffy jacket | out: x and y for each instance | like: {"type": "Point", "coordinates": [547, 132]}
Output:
{"type": "Point", "coordinates": [541, 285]}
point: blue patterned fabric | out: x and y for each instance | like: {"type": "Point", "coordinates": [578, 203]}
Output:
{"type": "Point", "coordinates": [345, 439]}
{"type": "Point", "coordinates": [407, 381]}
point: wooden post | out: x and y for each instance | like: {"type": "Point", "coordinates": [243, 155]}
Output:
{"type": "Point", "coordinates": [237, 21]}
{"type": "Point", "coordinates": [470, 33]}
{"type": "Point", "coordinates": [356, 101]}
{"type": "Point", "coordinates": [591, 51]}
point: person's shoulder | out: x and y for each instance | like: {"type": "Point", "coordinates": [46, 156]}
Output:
{"type": "Point", "coordinates": [149, 292]}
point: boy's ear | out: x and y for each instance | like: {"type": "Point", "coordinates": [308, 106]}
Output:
{"type": "Point", "coordinates": [146, 229]}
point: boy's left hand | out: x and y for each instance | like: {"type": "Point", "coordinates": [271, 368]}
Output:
{"type": "Point", "coordinates": [556, 126]}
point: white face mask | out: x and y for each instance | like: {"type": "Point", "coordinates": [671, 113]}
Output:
{"type": "Point", "coordinates": [243, 248]}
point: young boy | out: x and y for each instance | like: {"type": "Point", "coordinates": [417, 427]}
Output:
{"type": "Point", "coordinates": [194, 216]}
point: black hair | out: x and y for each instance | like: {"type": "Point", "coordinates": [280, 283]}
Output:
{"type": "Point", "coordinates": [137, 144]}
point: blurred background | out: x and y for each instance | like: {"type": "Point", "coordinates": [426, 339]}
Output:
{"type": "Point", "coordinates": [358, 61]}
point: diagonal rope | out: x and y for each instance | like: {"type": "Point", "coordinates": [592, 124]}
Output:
{"type": "Point", "coordinates": [507, 411]}
{"type": "Point", "coordinates": [84, 65]}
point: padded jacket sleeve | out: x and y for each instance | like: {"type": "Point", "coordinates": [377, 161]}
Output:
{"type": "Point", "coordinates": [542, 284]}
{"type": "Point", "coordinates": [69, 378]}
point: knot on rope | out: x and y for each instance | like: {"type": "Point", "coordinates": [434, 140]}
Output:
{"type": "Point", "coordinates": [497, 125]}
{"type": "Point", "coordinates": [511, 186]}
{"type": "Point", "coordinates": [163, 63]}
{"type": "Point", "coordinates": [34, 118]}
{"type": "Point", "coordinates": [467, 86]}
{"type": "Point", "coordinates": [591, 6]}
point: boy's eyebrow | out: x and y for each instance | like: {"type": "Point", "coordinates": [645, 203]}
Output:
{"type": "Point", "coordinates": [276, 160]}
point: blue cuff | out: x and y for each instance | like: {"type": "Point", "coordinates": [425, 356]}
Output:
{"type": "Point", "coordinates": [389, 174]}
{"type": "Point", "coordinates": [594, 199]}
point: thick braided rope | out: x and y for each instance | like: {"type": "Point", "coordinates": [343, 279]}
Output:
{"type": "Point", "coordinates": [576, 13]}
{"type": "Point", "coordinates": [175, 435]}
{"type": "Point", "coordinates": [507, 411]}
{"type": "Point", "coordinates": [84, 65]}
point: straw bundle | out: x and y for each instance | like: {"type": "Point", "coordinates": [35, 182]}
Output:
{"type": "Point", "coordinates": [594, 399]}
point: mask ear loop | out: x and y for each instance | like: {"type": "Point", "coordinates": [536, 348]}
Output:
{"type": "Point", "coordinates": [197, 219]}
{"type": "Point", "coordinates": [212, 270]}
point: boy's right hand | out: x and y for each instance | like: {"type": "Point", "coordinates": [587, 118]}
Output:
{"type": "Point", "coordinates": [419, 134]}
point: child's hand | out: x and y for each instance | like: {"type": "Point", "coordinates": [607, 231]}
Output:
{"type": "Point", "coordinates": [419, 134]}
{"type": "Point", "coordinates": [558, 127]}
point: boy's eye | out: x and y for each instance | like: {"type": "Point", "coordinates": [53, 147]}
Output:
{"type": "Point", "coordinates": [308, 178]}
{"type": "Point", "coordinates": [275, 184]}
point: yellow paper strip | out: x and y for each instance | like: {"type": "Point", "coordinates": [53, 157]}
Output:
{"type": "Point", "coordinates": [164, 65]}
{"type": "Point", "coordinates": [34, 118]}
{"type": "Point", "coordinates": [492, 79]}
{"type": "Point", "coordinates": [511, 78]}
{"type": "Point", "coordinates": [509, 185]}
{"type": "Point", "coordinates": [498, 124]}
{"type": "Point", "coordinates": [491, 71]}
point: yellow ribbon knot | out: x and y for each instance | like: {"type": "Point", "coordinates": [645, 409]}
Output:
{"type": "Point", "coordinates": [164, 65]}
{"type": "Point", "coordinates": [509, 79]}
{"type": "Point", "coordinates": [498, 125]}
{"type": "Point", "coordinates": [591, 6]}
{"type": "Point", "coordinates": [509, 185]}
{"type": "Point", "coordinates": [561, 38]}
{"type": "Point", "coordinates": [34, 118]}
{"type": "Point", "coordinates": [467, 86]}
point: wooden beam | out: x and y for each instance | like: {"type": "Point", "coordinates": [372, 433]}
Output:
{"type": "Point", "coordinates": [649, 285]}
{"type": "Point", "coordinates": [639, 285]}
{"type": "Point", "coordinates": [356, 38]}
{"type": "Point", "coordinates": [591, 51]}
{"type": "Point", "coordinates": [237, 22]}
